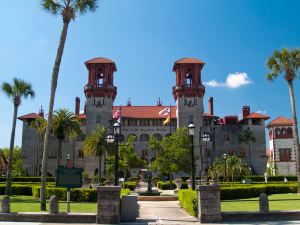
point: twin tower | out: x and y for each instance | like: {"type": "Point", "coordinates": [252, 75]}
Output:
{"type": "Point", "coordinates": [100, 92]}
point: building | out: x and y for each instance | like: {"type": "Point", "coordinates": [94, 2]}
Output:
{"type": "Point", "coordinates": [214, 136]}
{"type": "Point", "coordinates": [282, 146]}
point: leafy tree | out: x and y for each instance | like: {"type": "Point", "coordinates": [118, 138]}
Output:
{"type": "Point", "coordinates": [217, 168]}
{"type": "Point", "coordinates": [68, 10]}
{"type": "Point", "coordinates": [95, 144]}
{"type": "Point", "coordinates": [17, 165]}
{"type": "Point", "coordinates": [128, 157]}
{"type": "Point", "coordinates": [287, 62]}
{"type": "Point", "coordinates": [64, 124]}
{"type": "Point", "coordinates": [247, 137]}
{"type": "Point", "coordinates": [15, 91]}
{"type": "Point", "coordinates": [172, 153]}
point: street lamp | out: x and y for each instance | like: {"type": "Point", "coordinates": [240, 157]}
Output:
{"type": "Point", "coordinates": [225, 156]}
{"type": "Point", "coordinates": [117, 131]}
{"type": "Point", "coordinates": [191, 130]}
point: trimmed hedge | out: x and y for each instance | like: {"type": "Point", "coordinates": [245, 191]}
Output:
{"type": "Point", "coordinates": [189, 201]}
{"type": "Point", "coordinates": [167, 185]}
{"type": "Point", "coordinates": [27, 179]}
{"type": "Point", "coordinates": [271, 178]}
{"type": "Point", "coordinates": [18, 190]}
{"type": "Point", "coordinates": [77, 194]}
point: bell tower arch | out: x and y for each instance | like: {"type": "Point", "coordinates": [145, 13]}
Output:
{"type": "Point", "coordinates": [100, 92]}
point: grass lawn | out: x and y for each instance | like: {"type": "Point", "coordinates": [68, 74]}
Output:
{"type": "Point", "coordinates": [276, 202]}
{"type": "Point", "coordinates": [30, 204]}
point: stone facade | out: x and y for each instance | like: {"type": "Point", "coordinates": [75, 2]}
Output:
{"type": "Point", "coordinates": [145, 121]}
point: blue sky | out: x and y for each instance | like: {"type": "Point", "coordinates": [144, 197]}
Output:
{"type": "Point", "coordinates": [145, 38]}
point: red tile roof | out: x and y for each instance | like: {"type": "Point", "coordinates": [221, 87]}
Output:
{"type": "Point", "coordinates": [101, 60]}
{"type": "Point", "coordinates": [29, 116]}
{"type": "Point", "coordinates": [280, 121]}
{"type": "Point", "coordinates": [147, 112]}
{"type": "Point", "coordinates": [189, 60]}
{"type": "Point", "coordinates": [257, 116]}
{"type": "Point", "coordinates": [82, 116]}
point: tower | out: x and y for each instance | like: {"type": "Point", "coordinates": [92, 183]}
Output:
{"type": "Point", "coordinates": [100, 93]}
{"type": "Point", "coordinates": [188, 94]}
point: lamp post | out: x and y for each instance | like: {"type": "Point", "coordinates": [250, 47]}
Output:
{"type": "Point", "coordinates": [225, 156]}
{"type": "Point", "coordinates": [117, 131]}
{"type": "Point", "coordinates": [191, 130]}
{"type": "Point", "coordinates": [68, 190]}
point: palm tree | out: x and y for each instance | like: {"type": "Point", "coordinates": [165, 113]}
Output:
{"type": "Point", "coordinates": [247, 137]}
{"type": "Point", "coordinates": [95, 145]}
{"type": "Point", "coordinates": [68, 9]}
{"type": "Point", "coordinates": [287, 62]}
{"type": "Point", "coordinates": [64, 124]}
{"type": "Point", "coordinates": [17, 90]}
{"type": "Point", "coordinates": [233, 165]}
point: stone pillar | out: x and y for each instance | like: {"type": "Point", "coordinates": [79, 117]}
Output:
{"type": "Point", "coordinates": [108, 201]}
{"type": "Point", "coordinates": [263, 203]}
{"type": "Point", "coordinates": [5, 204]}
{"type": "Point", "coordinates": [53, 205]}
{"type": "Point", "coordinates": [209, 204]}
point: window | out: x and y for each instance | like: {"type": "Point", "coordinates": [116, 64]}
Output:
{"type": "Point", "coordinates": [290, 132]}
{"type": "Point", "coordinates": [242, 153]}
{"type": "Point", "coordinates": [230, 152]}
{"type": "Point", "coordinates": [144, 122]}
{"type": "Point", "coordinates": [99, 79]}
{"type": "Point", "coordinates": [156, 122]}
{"type": "Point", "coordinates": [158, 137]}
{"type": "Point", "coordinates": [144, 137]}
{"type": "Point", "coordinates": [98, 119]}
{"type": "Point", "coordinates": [189, 78]}
{"type": "Point", "coordinates": [80, 153]}
{"type": "Point", "coordinates": [226, 137]}
{"type": "Point", "coordinates": [285, 154]}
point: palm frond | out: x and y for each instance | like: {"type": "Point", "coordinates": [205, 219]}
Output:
{"type": "Point", "coordinates": [7, 89]}
{"type": "Point", "coordinates": [52, 6]}
{"type": "Point", "coordinates": [84, 6]}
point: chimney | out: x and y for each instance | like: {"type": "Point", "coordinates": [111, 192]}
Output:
{"type": "Point", "coordinates": [41, 112]}
{"type": "Point", "coordinates": [211, 106]}
{"type": "Point", "coordinates": [159, 102]}
{"type": "Point", "coordinates": [128, 102]}
{"type": "Point", "coordinates": [77, 106]}
{"type": "Point", "coordinates": [246, 111]}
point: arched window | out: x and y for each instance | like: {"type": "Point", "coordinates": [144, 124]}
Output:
{"type": "Point", "coordinates": [290, 131]}
{"type": "Point", "coordinates": [277, 132]}
{"type": "Point", "coordinates": [135, 137]}
{"type": "Point", "coordinates": [283, 131]}
{"type": "Point", "coordinates": [189, 79]}
{"type": "Point", "coordinates": [144, 137]}
{"type": "Point", "coordinates": [158, 137]}
{"type": "Point", "coordinates": [99, 79]}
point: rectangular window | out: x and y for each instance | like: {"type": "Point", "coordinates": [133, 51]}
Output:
{"type": "Point", "coordinates": [144, 122]}
{"type": "Point", "coordinates": [98, 119]}
{"type": "Point", "coordinates": [285, 154]}
{"type": "Point", "coordinates": [80, 153]}
{"type": "Point", "coordinates": [226, 137]}
{"type": "Point", "coordinates": [191, 119]}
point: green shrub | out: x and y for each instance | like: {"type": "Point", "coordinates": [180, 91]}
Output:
{"type": "Point", "coordinates": [166, 185]}
{"type": "Point", "coordinates": [27, 179]}
{"type": "Point", "coordinates": [130, 185]}
{"type": "Point", "coordinates": [18, 190]}
{"type": "Point", "coordinates": [189, 201]}
{"type": "Point", "coordinates": [132, 179]}
{"type": "Point", "coordinates": [77, 194]}
{"type": "Point", "coordinates": [270, 178]}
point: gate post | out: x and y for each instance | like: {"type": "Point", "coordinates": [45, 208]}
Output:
{"type": "Point", "coordinates": [108, 201]}
{"type": "Point", "coordinates": [209, 204]}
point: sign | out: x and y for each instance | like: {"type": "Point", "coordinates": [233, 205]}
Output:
{"type": "Point", "coordinates": [69, 177]}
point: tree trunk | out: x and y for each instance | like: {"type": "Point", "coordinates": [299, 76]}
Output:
{"type": "Point", "coordinates": [295, 130]}
{"type": "Point", "coordinates": [58, 154]}
{"type": "Point", "coordinates": [11, 152]}
{"type": "Point", "coordinates": [55, 72]}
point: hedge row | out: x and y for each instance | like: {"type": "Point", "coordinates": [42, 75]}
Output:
{"type": "Point", "coordinates": [271, 178]}
{"type": "Point", "coordinates": [167, 185]}
{"type": "Point", "coordinates": [27, 179]}
{"type": "Point", "coordinates": [189, 201]}
{"type": "Point", "coordinates": [18, 190]}
{"type": "Point", "coordinates": [77, 194]}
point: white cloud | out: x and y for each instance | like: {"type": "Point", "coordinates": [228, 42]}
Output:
{"type": "Point", "coordinates": [262, 111]}
{"type": "Point", "coordinates": [233, 80]}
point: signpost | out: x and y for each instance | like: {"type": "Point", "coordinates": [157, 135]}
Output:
{"type": "Point", "coordinates": [69, 178]}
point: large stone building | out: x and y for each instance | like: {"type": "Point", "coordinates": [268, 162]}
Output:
{"type": "Point", "coordinates": [282, 146]}
{"type": "Point", "coordinates": [218, 135]}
